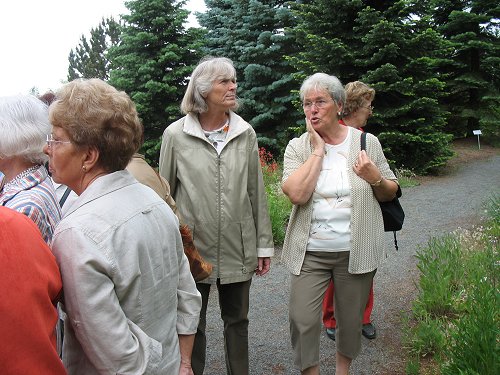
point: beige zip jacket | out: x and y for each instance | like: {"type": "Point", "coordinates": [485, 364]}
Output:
{"type": "Point", "coordinates": [220, 197]}
{"type": "Point", "coordinates": [367, 226]}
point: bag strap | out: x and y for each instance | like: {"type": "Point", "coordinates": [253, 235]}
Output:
{"type": "Point", "coordinates": [398, 194]}
{"type": "Point", "coordinates": [395, 241]}
{"type": "Point", "coordinates": [64, 197]}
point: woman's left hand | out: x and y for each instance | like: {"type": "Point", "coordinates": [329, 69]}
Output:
{"type": "Point", "coordinates": [365, 168]}
{"type": "Point", "coordinates": [264, 264]}
{"type": "Point", "coordinates": [185, 369]}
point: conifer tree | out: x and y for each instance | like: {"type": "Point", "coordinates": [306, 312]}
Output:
{"type": "Point", "coordinates": [384, 45]}
{"type": "Point", "coordinates": [90, 58]}
{"type": "Point", "coordinates": [472, 27]}
{"type": "Point", "coordinates": [152, 63]}
{"type": "Point", "coordinates": [251, 33]}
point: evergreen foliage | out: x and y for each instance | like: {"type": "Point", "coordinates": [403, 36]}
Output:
{"type": "Point", "coordinates": [386, 45]}
{"type": "Point", "coordinates": [472, 28]}
{"type": "Point", "coordinates": [90, 58]}
{"type": "Point", "coordinates": [435, 65]}
{"type": "Point", "coordinates": [251, 33]}
{"type": "Point", "coordinates": [153, 62]}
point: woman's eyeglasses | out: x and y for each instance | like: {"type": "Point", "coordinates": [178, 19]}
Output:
{"type": "Point", "coordinates": [321, 103]}
{"type": "Point", "coordinates": [370, 107]}
{"type": "Point", "coordinates": [51, 141]}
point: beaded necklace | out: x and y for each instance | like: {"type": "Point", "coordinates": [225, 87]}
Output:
{"type": "Point", "coordinates": [20, 177]}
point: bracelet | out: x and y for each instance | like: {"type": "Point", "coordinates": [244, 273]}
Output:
{"type": "Point", "coordinates": [319, 156]}
{"type": "Point", "coordinates": [377, 183]}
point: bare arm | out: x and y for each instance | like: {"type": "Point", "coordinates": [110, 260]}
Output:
{"type": "Point", "coordinates": [186, 343]}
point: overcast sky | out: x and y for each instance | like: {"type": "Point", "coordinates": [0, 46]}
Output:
{"type": "Point", "coordinates": [36, 37]}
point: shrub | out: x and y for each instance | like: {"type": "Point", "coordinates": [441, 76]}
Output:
{"type": "Point", "coordinates": [441, 275]}
{"type": "Point", "coordinates": [428, 337]}
{"type": "Point", "coordinates": [474, 346]}
{"type": "Point", "coordinates": [456, 316]}
{"type": "Point", "coordinates": [422, 153]}
{"type": "Point", "coordinates": [279, 204]}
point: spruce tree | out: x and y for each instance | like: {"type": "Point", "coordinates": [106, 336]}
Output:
{"type": "Point", "coordinates": [384, 45]}
{"type": "Point", "coordinates": [251, 33]}
{"type": "Point", "coordinates": [326, 39]}
{"type": "Point", "coordinates": [472, 27]}
{"type": "Point", "coordinates": [152, 63]}
{"type": "Point", "coordinates": [90, 58]}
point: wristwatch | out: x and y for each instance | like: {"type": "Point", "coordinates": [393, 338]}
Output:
{"type": "Point", "coordinates": [377, 183]}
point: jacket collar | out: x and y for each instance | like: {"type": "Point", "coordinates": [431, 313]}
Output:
{"type": "Point", "coordinates": [192, 126]}
{"type": "Point", "coordinates": [102, 186]}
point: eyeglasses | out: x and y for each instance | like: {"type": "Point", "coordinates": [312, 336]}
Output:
{"type": "Point", "coordinates": [370, 107]}
{"type": "Point", "coordinates": [51, 141]}
{"type": "Point", "coordinates": [321, 103]}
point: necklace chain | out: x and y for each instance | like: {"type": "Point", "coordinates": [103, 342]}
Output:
{"type": "Point", "coordinates": [20, 176]}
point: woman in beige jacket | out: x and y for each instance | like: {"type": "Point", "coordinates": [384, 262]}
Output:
{"type": "Point", "coordinates": [210, 159]}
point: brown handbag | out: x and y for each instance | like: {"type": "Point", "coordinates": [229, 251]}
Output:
{"type": "Point", "coordinates": [200, 269]}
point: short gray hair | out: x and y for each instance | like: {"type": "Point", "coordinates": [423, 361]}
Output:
{"type": "Point", "coordinates": [206, 72]}
{"type": "Point", "coordinates": [24, 125]}
{"type": "Point", "coordinates": [323, 81]}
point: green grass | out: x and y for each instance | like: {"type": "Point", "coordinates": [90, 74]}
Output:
{"type": "Point", "coordinates": [406, 177]}
{"type": "Point", "coordinates": [279, 211]}
{"type": "Point", "coordinates": [456, 315]}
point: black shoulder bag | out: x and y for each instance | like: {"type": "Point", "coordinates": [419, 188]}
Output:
{"type": "Point", "coordinates": [392, 212]}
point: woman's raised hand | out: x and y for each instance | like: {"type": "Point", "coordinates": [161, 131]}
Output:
{"type": "Point", "coordinates": [317, 143]}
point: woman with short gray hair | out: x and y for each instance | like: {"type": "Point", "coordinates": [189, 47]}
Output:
{"type": "Point", "coordinates": [335, 231]}
{"type": "Point", "coordinates": [26, 186]}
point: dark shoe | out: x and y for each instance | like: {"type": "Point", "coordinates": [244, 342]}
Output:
{"type": "Point", "coordinates": [369, 331]}
{"type": "Point", "coordinates": [330, 332]}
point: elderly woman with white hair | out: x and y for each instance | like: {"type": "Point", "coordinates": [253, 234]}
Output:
{"type": "Point", "coordinates": [26, 186]}
{"type": "Point", "coordinates": [336, 231]}
{"type": "Point", "coordinates": [210, 158]}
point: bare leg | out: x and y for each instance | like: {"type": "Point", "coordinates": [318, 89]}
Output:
{"type": "Point", "coordinates": [313, 370]}
{"type": "Point", "coordinates": [342, 365]}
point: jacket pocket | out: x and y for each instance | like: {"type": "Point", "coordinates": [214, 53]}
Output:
{"type": "Point", "coordinates": [249, 245]}
{"type": "Point", "coordinates": [205, 240]}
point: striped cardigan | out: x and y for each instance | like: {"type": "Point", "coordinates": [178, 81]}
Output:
{"type": "Point", "coordinates": [367, 228]}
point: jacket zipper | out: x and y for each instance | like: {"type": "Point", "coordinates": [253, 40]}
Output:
{"type": "Point", "coordinates": [219, 214]}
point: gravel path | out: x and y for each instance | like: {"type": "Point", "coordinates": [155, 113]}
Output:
{"type": "Point", "coordinates": [439, 205]}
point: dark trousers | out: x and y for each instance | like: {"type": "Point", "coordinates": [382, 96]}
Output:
{"type": "Point", "coordinates": [233, 302]}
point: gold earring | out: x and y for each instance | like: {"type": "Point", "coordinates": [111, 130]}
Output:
{"type": "Point", "coordinates": [84, 168]}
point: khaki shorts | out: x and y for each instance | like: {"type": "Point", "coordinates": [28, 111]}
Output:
{"type": "Point", "coordinates": [306, 296]}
